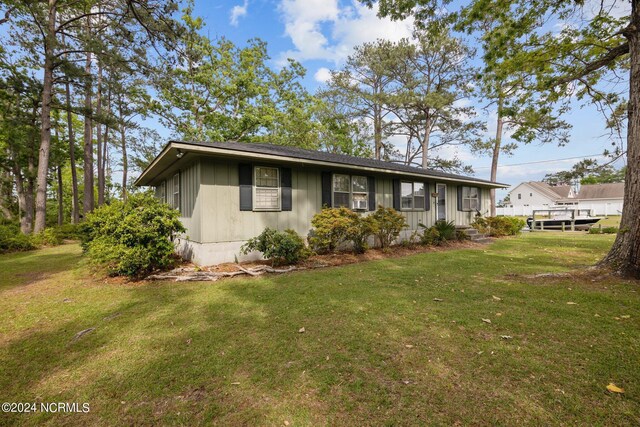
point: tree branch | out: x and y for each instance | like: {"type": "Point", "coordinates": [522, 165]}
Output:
{"type": "Point", "coordinates": [605, 60]}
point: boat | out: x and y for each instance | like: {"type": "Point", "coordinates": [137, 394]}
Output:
{"type": "Point", "coordinates": [562, 218]}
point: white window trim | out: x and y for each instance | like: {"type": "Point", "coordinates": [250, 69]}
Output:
{"type": "Point", "coordinates": [366, 193]}
{"type": "Point", "coordinates": [413, 197]}
{"type": "Point", "coordinates": [477, 199]}
{"type": "Point", "coordinates": [350, 192]}
{"type": "Point", "coordinates": [175, 205]}
{"type": "Point", "coordinates": [254, 188]}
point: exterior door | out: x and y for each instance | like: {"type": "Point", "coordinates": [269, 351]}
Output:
{"type": "Point", "coordinates": [441, 202]}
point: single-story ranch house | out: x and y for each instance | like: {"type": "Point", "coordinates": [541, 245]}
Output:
{"type": "Point", "coordinates": [229, 192]}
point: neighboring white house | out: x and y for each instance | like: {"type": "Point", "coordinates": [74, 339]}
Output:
{"type": "Point", "coordinates": [534, 193]}
{"type": "Point", "coordinates": [602, 199]}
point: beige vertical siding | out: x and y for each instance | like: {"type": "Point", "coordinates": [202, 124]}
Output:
{"type": "Point", "coordinates": [211, 213]}
{"type": "Point", "coordinates": [222, 220]}
{"type": "Point", "coordinates": [190, 201]}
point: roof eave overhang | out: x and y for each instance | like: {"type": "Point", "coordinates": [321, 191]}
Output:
{"type": "Point", "coordinates": [147, 176]}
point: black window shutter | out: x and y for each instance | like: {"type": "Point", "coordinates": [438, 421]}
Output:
{"type": "Point", "coordinates": [285, 188]}
{"type": "Point", "coordinates": [326, 189]}
{"type": "Point", "coordinates": [479, 199]}
{"type": "Point", "coordinates": [371, 183]}
{"type": "Point", "coordinates": [427, 197]}
{"type": "Point", "coordinates": [460, 197]}
{"type": "Point", "coordinates": [396, 194]}
{"type": "Point", "coordinates": [245, 177]}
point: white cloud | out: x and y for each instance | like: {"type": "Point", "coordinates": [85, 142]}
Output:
{"type": "Point", "coordinates": [322, 29]}
{"type": "Point", "coordinates": [322, 75]}
{"type": "Point", "coordinates": [238, 12]}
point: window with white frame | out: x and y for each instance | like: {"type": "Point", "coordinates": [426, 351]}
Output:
{"type": "Point", "coordinates": [175, 201]}
{"type": "Point", "coordinates": [341, 190]}
{"type": "Point", "coordinates": [359, 193]}
{"type": "Point", "coordinates": [412, 195]}
{"type": "Point", "coordinates": [266, 189]}
{"type": "Point", "coordinates": [350, 191]}
{"type": "Point", "coordinates": [470, 198]}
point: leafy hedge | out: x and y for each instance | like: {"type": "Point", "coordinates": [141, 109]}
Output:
{"type": "Point", "coordinates": [603, 230]}
{"type": "Point", "coordinates": [132, 238]}
{"type": "Point", "coordinates": [440, 233]}
{"type": "Point", "coordinates": [499, 226]}
{"type": "Point", "coordinates": [281, 247]}
{"type": "Point", "coordinates": [333, 227]}
{"type": "Point", "coordinates": [13, 240]}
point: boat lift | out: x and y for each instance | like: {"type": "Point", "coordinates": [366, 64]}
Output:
{"type": "Point", "coordinates": [561, 219]}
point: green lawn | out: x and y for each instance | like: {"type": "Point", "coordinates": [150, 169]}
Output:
{"type": "Point", "coordinates": [377, 348]}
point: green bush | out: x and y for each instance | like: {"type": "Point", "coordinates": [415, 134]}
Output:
{"type": "Point", "coordinates": [331, 227]}
{"type": "Point", "coordinates": [47, 237]}
{"type": "Point", "coordinates": [361, 228]}
{"type": "Point", "coordinates": [67, 231]}
{"type": "Point", "coordinates": [132, 238]}
{"type": "Point", "coordinates": [12, 240]}
{"type": "Point", "coordinates": [430, 236]}
{"type": "Point", "coordinates": [440, 233]}
{"type": "Point", "coordinates": [281, 247]}
{"type": "Point", "coordinates": [604, 230]}
{"type": "Point", "coordinates": [499, 226]}
{"type": "Point", "coordinates": [387, 225]}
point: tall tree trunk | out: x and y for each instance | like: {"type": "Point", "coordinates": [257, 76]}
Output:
{"type": "Point", "coordinates": [45, 119]}
{"type": "Point", "coordinates": [75, 212]}
{"type": "Point", "coordinates": [99, 137]}
{"type": "Point", "coordinates": [60, 195]}
{"type": "Point", "coordinates": [425, 144]}
{"type": "Point", "coordinates": [123, 145]}
{"type": "Point", "coordinates": [25, 218]}
{"type": "Point", "coordinates": [496, 152]}
{"type": "Point", "coordinates": [624, 256]}
{"type": "Point", "coordinates": [88, 139]}
{"type": "Point", "coordinates": [377, 132]}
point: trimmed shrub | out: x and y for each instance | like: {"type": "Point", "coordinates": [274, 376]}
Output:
{"type": "Point", "coordinates": [499, 226]}
{"type": "Point", "coordinates": [359, 231]}
{"type": "Point", "coordinates": [47, 237]}
{"type": "Point", "coordinates": [281, 247]}
{"type": "Point", "coordinates": [12, 240]}
{"type": "Point", "coordinates": [387, 225]}
{"type": "Point", "coordinates": [604, 230]}
{"type": "Point", "coordinates": [68, 231]}
{"type": "Point", "coordinates": [440, 233]}
{"type": "Point", "coordinates": [132, 238]}
{"type": "Point", "coordinates": [331, 227]}
{"type": "Point", "coordinates": [430, 236]}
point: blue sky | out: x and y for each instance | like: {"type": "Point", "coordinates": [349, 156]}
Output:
{"type": "Point", "coordinates": [321, 34]}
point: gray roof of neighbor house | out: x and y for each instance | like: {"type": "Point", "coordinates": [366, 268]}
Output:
{"type": "Point", "coordinates": [601, 191]}
{"type": "Point", "coordinates": [167, 157]}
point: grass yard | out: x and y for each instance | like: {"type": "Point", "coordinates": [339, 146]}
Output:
{"type": "Point", "coordinates": [377, 348]}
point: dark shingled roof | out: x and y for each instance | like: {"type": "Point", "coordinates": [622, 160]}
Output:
{"type": "Point", "coordinates": [338, 159]}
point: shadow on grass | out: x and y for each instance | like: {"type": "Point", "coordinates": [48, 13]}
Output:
{"type": "Point", "coordinates": [24, 268]}
{"type": "Point", "coordinates": [376, 349]}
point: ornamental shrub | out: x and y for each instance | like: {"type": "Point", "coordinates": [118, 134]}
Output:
{"type": "Point", "coordinates": [331, 228]}
{"type": "Point", "coordinates": [387, 225]}
{"type": "Point", "coordinates": [12, 240]}
{"type": "Point", "coordinates": [361, 228]}
{"type": "Point", "coordinates": [603, 230]}
{"type": "Point", "coordinates": [499, 226]}
{"type": "Point", "coordinates": [281, 247]}
{"type": "Point", "coordinates": [440, 233]}
{"type": "Point", "coordinates": [132, 238]}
